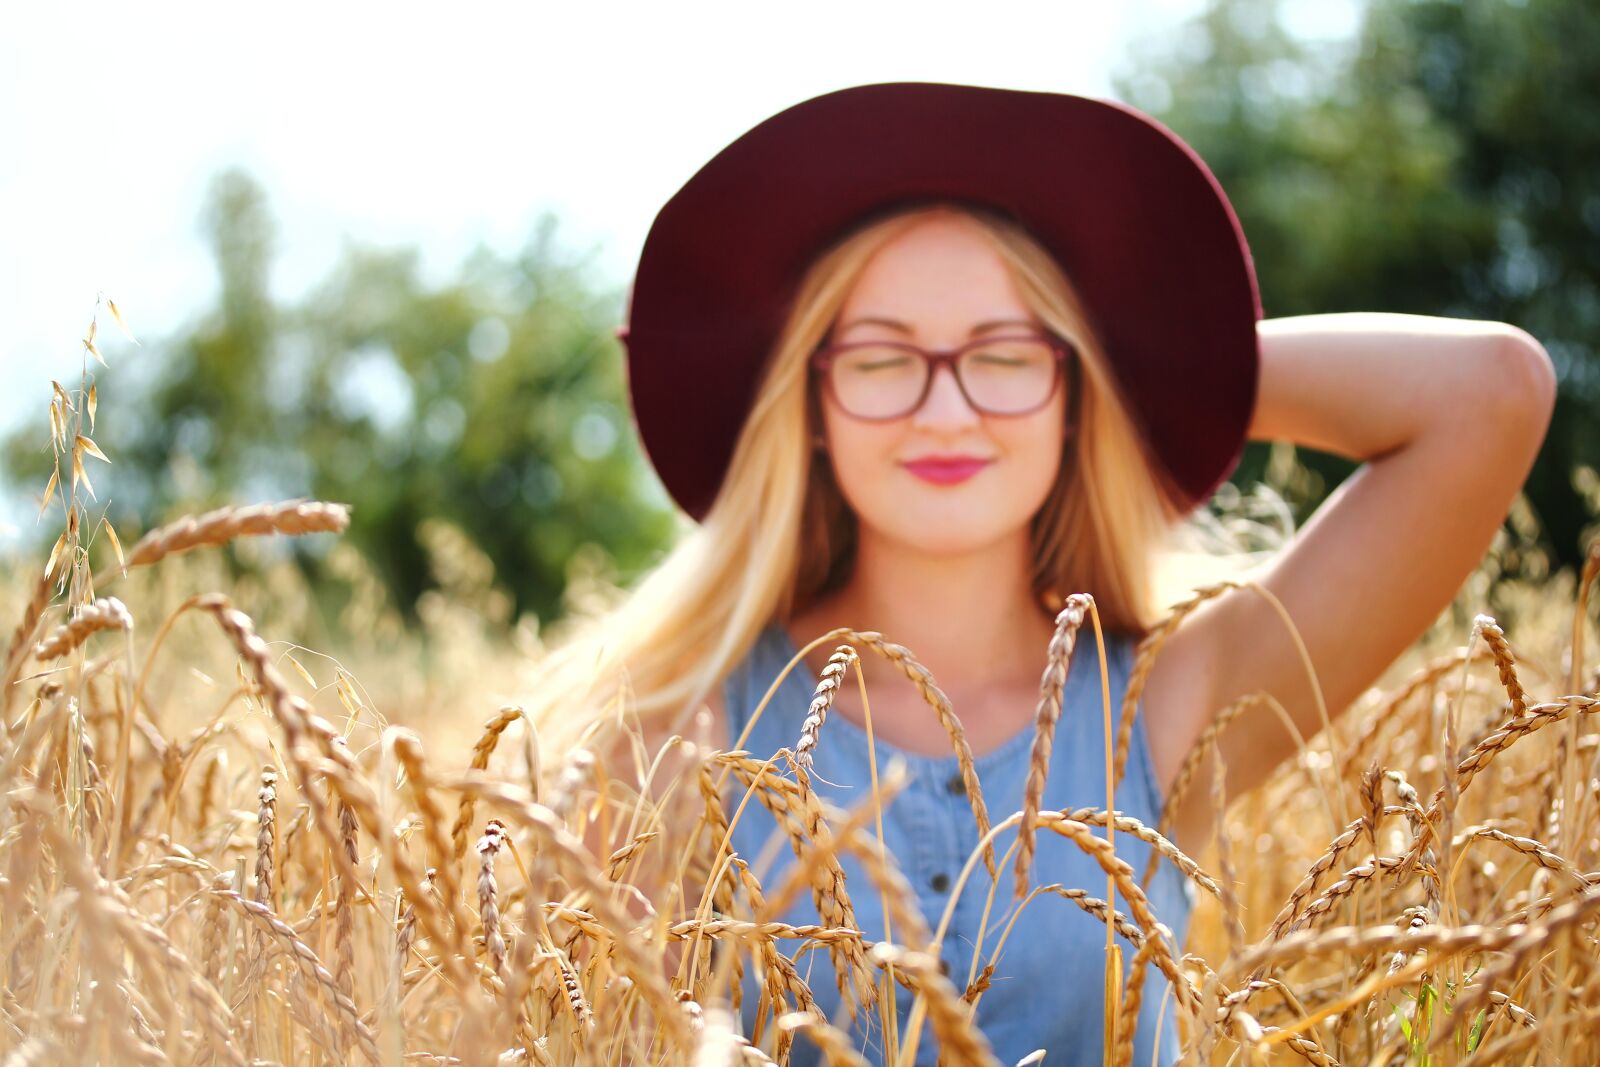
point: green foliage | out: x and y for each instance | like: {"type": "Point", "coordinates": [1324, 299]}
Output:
{"type": "Point", "coordinates": [496, 401]}
{"type": "Point", "coordinates": [1445, 162]}
{"type": "Point", "coordinates": [1417, 1026]}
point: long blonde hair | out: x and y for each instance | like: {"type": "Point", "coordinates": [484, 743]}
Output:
{"type": "Point", "coordinates": [779, 533]}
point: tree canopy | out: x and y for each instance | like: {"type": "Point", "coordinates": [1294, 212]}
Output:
{"type": "Point", "coordinates": [496, 401]}
{"type": "Point", "coordinates": [1444, 161]}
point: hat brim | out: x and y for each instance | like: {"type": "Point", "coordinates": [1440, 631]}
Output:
{"type": "Point", "coordinates": [1131, 212]}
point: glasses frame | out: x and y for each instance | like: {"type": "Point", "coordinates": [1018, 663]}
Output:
{"type": "Point", "coordinates": [1063, 351]}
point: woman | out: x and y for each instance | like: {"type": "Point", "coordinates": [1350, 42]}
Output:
{"type": "Point", "coordinates": [924, 359]}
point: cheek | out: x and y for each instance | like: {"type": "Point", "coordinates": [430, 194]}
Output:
{"type": "Point", "coordinates": [1035, 448]}
{"type": "Point", "coordinates": [860, 456]}
{"type": "Point", "coordinates": [859, 452]}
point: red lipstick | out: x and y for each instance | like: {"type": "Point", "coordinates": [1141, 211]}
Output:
{"type": "Point", "coordinates": [946, 470]}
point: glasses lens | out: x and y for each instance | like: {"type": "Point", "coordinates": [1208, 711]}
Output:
{"type": "Point", "coordinates": [878, 381]}
{"type": "Point", "coordinates": [1008, 375]}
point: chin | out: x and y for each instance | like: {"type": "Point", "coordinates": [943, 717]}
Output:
{"type": "Point", "coordinates": [950, 531]}
{"type": "Point", "coordinates": [943, 519]}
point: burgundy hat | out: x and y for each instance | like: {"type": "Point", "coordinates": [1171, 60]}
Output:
{"type": "Point", "coordinates": [1132, 214]}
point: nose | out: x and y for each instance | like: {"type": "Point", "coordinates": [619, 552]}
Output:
{"type": "Point", "coordinates": [945, 404]}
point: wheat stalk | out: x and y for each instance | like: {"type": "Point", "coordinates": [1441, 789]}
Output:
{"type": "Point", "coordinates": [481, 751]}
{"type": "Point", "coordinates": [1058, 661]}
{"type": "Point", "coordinates": [104, 613]}
{"type": "Point", "coordinates": [827, 689]}
{"type": "Point", "coordinates": [489, 846]}
{"type": "Point", "coordinates": [218, 527]}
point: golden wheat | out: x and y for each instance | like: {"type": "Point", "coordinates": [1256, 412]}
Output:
{"type": "Point", "coordinates": [268, 873]}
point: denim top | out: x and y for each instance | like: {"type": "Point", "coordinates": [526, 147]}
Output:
{"type": "Point", "coordinates": [1047, 990]}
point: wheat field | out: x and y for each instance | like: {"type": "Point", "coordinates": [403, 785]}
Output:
{"type": "Point", "coordinates": [220, 846]}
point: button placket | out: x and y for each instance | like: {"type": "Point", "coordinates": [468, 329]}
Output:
{"type": "Point", "coordinates": [933, 901]}
{"type": "Point", "coordinates": [957, 839]}
{"type": "Point", "coordinates": [945, 863]}
{"type": "Point", "coordinates": [962, 843]}
{"type": "Point", "coordinates": [920, 804]}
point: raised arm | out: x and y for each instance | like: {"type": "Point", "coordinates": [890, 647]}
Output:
{"type": "Point", "coordinates": [1447, 415]}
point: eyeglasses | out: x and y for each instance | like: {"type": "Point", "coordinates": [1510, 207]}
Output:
{"type": "Point", "coordinates": [1004, 375]}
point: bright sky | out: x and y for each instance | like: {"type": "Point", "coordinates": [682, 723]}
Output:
{"type": "Point", "coordinates": [399, 125]}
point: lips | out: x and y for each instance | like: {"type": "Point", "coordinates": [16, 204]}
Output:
{"type": "Point", "coordinates": [946, 471]}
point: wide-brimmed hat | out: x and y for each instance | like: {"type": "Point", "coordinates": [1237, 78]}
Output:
{"type": "Point", "coordinates": [1133, 215]}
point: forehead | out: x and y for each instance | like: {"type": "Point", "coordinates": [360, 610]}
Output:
{"type": "Point", "coordinates": [941, 271]}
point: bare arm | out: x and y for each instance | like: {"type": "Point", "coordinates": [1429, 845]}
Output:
{"type": "Point", "coordinates": [1447, 416]}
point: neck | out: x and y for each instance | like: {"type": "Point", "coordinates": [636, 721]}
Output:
{"type": "Point", "coordinates": [970, 618]}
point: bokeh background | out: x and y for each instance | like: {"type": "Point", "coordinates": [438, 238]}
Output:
{"type": "Point", "coordinates": [375, 255]}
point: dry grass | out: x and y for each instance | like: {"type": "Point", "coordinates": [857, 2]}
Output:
{"type": "Point", "coordinates": [272, 871]}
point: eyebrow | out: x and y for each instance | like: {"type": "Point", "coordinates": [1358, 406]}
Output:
{"type": "Point", "coordinates": [896, 324]}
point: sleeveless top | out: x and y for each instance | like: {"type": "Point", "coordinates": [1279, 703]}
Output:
{"type": "Point", "coordinates": [1048, 987]}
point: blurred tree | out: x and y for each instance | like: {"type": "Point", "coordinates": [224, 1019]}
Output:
{"type": "Point", "coordinates": [1445, 161]}
{"type": "Point", "coordinates": [496, 401]}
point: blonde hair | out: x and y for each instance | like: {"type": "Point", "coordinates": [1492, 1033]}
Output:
{"type": "Point", "coordinates": [779, 533]}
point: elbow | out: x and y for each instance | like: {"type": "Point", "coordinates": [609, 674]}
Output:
{"type": "Point", "coordinates": [1536, 367]}
{"type": "Point", "coordinates": [1521, 380]}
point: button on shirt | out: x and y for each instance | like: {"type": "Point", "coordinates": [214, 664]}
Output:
{"type": "Point", "coordinates": [1047, 989]}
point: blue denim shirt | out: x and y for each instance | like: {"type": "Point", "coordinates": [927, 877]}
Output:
{"type": "Point", "coordinates": [1048, 987]}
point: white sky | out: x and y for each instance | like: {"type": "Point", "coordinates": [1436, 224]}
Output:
{"type": "Point", "coordinates": [399, 125]}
